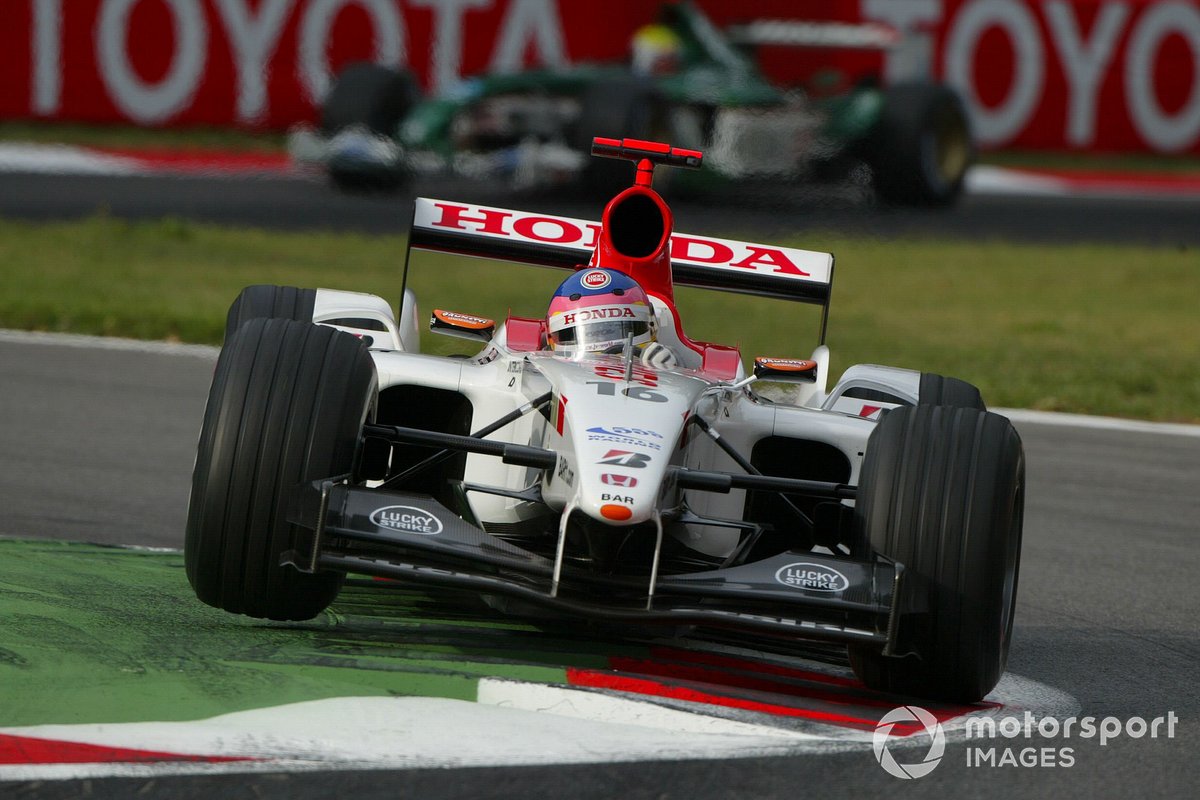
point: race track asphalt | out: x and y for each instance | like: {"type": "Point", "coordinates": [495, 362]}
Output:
{"type": "Point", "coordinates": [295, 203]}
{"type": "Point", "coordinates": [97, 444]}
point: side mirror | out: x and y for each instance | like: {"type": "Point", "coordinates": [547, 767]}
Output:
{"type": "Point", "coordinates": [785, 370]}
{"type": "Point", "coordinates": [464, 326]}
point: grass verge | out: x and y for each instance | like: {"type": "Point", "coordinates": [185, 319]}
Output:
{"type": "Point", "coordinates": [1116, 163]}
{"type": "Point", "coordinates": [1092, 329]}
{"type": "Point", "coordinates": [134, 137]}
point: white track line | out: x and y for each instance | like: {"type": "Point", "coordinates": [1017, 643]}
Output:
{"type": "Point", "coordinates": [983, 179]}
{"type": "Point", "coordinates": [596, 706]}
{"type": "Point", "coordinates": [209, 352]}
{"type": "Point", "coordinates": [399, 733]}
{"type": "Point", "coordinates": [1063, 420]}
{"type": "Point", "coordinates": [512, 723]}
{"type": "Point", "coordinates": [108, 343]}
{"type": "Point", "coordinates": [59, 159]}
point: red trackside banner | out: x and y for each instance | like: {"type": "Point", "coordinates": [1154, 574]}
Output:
{"type": "Point", "coordinates": [267, 63]}
{"type": "Point", "coordinates": [1120, 75]}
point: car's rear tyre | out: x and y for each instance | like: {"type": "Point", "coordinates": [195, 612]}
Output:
{"type": "Point", "coordinates": [942, 492]}
{"type": "Point", "coordinates": [270, 302]}
{"type": "Point", "coordinates": [938, 390]}
{"type": "Point", "coordinates": [374, 99]}
{"type": "Point", "coordinates": [287, 406]}
{"type": "Point", "coordinates": [921, 147]}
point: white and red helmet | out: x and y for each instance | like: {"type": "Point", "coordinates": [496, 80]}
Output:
{"type": "Point", "coordinates": [598, 309]}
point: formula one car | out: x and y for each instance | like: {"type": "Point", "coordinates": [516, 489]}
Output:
{"type": "Point", "coordinates": [687, 83]}
{"type": "Point", "coordinates": [595, 462]}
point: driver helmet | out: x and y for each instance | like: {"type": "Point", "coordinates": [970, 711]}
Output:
{"type": "Point", "coordinates": [655, 50]}
{"type": "Point", "coordinates": [597, 309]}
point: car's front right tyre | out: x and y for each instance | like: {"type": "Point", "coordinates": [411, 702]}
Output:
{"type": "Point", "coordinates": [287, 406]}
{"type": "Point", "coordinates": [272, 302]}
{"type": "Point", "coordinates": [938, 390]}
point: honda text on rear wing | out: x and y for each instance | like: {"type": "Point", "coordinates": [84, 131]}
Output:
{"type": "Point", "coordinates": [548, 240]}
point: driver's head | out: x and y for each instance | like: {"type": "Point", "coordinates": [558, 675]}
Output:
{"type": "Point", "coordinates": [597, 309]}
{"type": "Point", "coordinates": [655, 50]}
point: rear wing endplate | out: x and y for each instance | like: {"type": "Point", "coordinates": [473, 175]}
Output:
{"type": "Point", "coordinates": [547, 240]}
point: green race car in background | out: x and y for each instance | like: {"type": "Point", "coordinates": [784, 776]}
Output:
{"type": "Point", "coordinates": [690, 83]}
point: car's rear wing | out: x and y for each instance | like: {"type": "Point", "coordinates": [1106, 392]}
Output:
{"type": "Point", "coordinates": [815, 34]}
{"type": "Point", "coordinates": [551, 241]}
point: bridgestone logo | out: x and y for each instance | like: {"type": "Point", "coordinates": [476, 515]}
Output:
{"type": "Point", "coordinates": [406, 519]}
{"type": "Point", "coordinates": [812, 577]}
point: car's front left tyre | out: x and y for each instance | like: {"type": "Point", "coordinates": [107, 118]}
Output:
{"type": "Point", "coordinates": [287, 406]}
{"type": "Point", "coordinates": [942, 492]}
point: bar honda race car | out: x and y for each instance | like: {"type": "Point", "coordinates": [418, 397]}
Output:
{"type": "Point", "coordinates": [884, 513]}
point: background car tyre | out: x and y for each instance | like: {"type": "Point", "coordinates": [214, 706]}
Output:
{"type": "Point", "coordinates": [617, 109]}
{"type": "Point", "coordinates": [371, 95]}
{"type": "Point", "coordinates": [373, 99]}
{"type": "Point", "coordinates": [270, 302]}
{"type": "Point", "coordinates": [921, 147]}
{"type": "Point", "coordinates": [942, 491]}
{"type": "Point", "coordinates": [287, 406]}
{"type": "Point", "coordinates": [938, 390]}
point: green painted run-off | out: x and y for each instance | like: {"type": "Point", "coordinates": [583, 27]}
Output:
{"type": "Point", "coordinates": [100, 634]}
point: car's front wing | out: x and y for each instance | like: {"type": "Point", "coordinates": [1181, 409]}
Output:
{"type": "Point", "coordinates": [414, 538]}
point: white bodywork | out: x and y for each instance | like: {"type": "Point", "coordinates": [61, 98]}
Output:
{"type": "Point", "coordinates": [370, 318]}
{"type": "Point", "coordinates": [613, 427]}
{"type": "Point", "coordinates": [617, 426]}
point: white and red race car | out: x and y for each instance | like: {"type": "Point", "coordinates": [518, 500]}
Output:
{"type": "Point", "coordinates": [884, 513]}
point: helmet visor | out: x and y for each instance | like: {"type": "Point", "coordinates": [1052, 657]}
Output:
{"type": "Point", "coordinates": [595, 336]}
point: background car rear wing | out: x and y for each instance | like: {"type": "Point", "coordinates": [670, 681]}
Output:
{"type": "Point", "coordinates": [552, 241]}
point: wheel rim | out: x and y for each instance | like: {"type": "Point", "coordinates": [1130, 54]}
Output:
{"type": "Point", "coordinates": [947, 148]}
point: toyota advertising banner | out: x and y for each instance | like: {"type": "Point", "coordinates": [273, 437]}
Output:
{"type": "Point", "coordinates": [265, 62]}
{"type": "Point", "coordinates": [1116, 75]}
{"type": "Point", "coordinates": [1080, 74]}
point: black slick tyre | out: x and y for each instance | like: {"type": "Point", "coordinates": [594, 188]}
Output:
{"type": "Point", "coordinates": [374, 100]}
{"type": "Point", "coordinates": [287, 406]}
{"type": "Point", "coordinates": [616, 109]}
{"type": "Point", "coordinates": [938, 390]}
{"type": "Point", "coordinates": [942, 492]}
{"type": "Point", "coordinates": [270, 302]}
{"type": "Point", "coordinates": [921, 147]}
{"type": "Point", "coordinates": [369, 95]}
